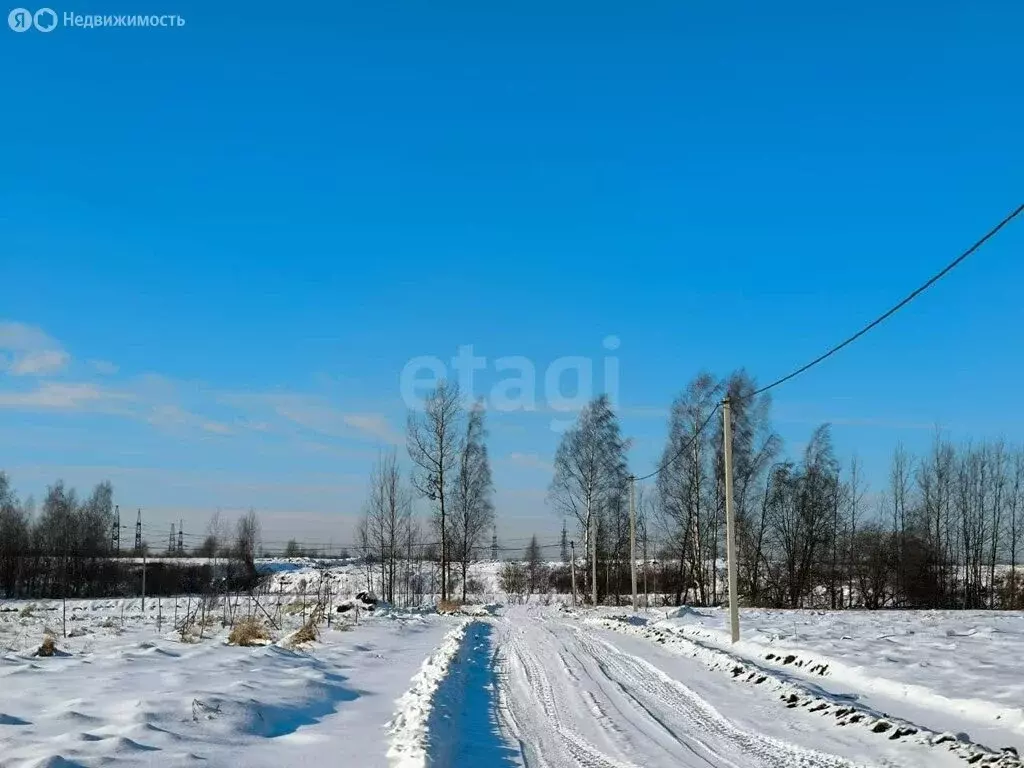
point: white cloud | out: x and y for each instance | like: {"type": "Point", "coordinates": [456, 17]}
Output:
{"type": "Point", "coordinates": [374, 425]}
{"type": "Point", "coordinates": [530, 460]}
{"type": "Point", "coordinates": [174, 418]}
{"type": "Point", "coordinates": [34, 352]}
{"type": "Point", "coordinates": [41, 363]}
{"type": "Point", "coordinates": [316, 414]}
{"type": "Point", "coordinates": [59, 396]}
{"type": "Point", "coordinates": [104, 367]}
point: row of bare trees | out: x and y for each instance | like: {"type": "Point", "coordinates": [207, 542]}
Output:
{"type": "Point", "coordinates": [446, 441]}
{"type": "Point", "coordinates": [946, 531]}
{"type": "Point", "coordinates": [66, 547]}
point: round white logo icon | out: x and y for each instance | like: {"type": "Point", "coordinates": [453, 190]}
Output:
{"type": "Point", "coordinates": [20, 19]}
{"type": "Point", "coordinates": [45, 19]}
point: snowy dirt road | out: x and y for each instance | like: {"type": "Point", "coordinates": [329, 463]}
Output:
{"type": "Point", "coordinates": [571, 699]}
{"type": "Point", "coordinates": [569, 696]}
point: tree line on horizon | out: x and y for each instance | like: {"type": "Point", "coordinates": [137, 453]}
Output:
{"type": "Point", "coordinates": [67, 549]}
{"type": "Point", "coordinates": [945, 533]}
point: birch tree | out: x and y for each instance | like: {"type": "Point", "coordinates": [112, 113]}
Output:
{"type": "Point", "coordinates": [590, 468]}
{"type": "Point", "coordinates": [473, 507]}
{"type": "Point", "coordinates": [434, 443]}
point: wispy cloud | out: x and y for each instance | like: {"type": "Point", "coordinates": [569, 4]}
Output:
{"type": "Point", "coordinates": [170, 405]}
{"type": "Point", "coordinates": [32, 352]}
{"type": "Point", "coordinates": [50, 395]}
{"type": "Point", "coordinates": [175, 418]}
{"type": "Point", "coordinates": [104, 367]}
{"type": "Point", "coordinates": [529, 460]}
{"type": "Point", "coordinates": [316, 414]}
{"type": "Point", "coordinates": [374, 425]}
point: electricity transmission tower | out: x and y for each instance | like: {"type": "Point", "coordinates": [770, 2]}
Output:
{"type": "Point", "coordinates": [115, 532]}
{"type": "Point", "coordinates": [138, 533]}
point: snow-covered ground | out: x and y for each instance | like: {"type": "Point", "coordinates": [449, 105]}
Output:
{"type": "Point", "coordinates": [953, 671]}
{"type": "Point", "coordinates": [522, 685]}
{"type": "Point", "coordinates": [577, 694]}
{"type": "Point", "coordinates": [140, 696]}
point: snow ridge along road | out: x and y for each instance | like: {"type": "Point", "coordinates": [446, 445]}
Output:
{"type": "Point", "coordinates": [409, 727]}
{"type": "Point", "coordinates": [573, 700]}
{"type": "Point", "coordinates": [844, 708]}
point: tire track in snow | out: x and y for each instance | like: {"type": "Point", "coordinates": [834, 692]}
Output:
{"type": "Point", "coordinates": [546, 739]}
{"type": "Point", "coordinates": [573, 701]}
{"type": "Point", "coordinates": [683, 714]}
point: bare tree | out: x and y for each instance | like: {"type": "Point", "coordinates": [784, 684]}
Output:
{"type": "Point", "coordinates": [247, 538]}
{"type": "Point", "coordinates": [387, 520]}
{"type": "Point", "coordinates": [14, 537]}
{"type": "Point", "coordinates": [590, 469]}
{"type": "Point", "coordinates": [433, 440]}
{"type": "Point", "coordinates": [472, 508]}
{"type": "Point", "coordinates": [686, 486]}
{"type": "Point", "coordinates": [513, 580]}
{"type": "Point", "coordinates": [536, 568]}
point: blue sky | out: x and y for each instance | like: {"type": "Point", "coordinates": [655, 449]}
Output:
{"type": "Point", "coordinates": [221, 243]}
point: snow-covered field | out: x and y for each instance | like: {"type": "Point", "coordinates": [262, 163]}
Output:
{"type": "Point", "coordinates": [523, 685]}
{"type": "Point", "coordinates": [953, 671]}
{"type": "Point", "coordinates": [140, 696]}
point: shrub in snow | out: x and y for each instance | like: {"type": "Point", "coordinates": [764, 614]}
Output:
{"type": "Point", "coordinates": [308, 633]}
{"type": "Point", "coordinates": [48, 647]}
{"type": "Point", "coordinates": [249, 631]}
{"type": "Point", "coordinates": [449, 606]}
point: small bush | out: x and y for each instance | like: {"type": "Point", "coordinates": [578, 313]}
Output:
{"type": "Point", "coordinates": [48, 647]}
{"type": "Point", "coordinates": [307, 634]}
{"type": "Point", "coordinates": [449, 606]}
{"type": "Point", "coordinates": [26, 612]}
{"type": "Point", "coordinates": [248, 631]}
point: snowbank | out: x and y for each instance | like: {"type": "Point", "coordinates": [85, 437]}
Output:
{"type": "Point", "coordinates": [408, 729]}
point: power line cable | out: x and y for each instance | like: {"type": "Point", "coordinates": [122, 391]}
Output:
{"type": "Point", "coordinates": [846, 342]}
{"type": "Point", "coordinates": [685, 446]}
{"type": "Point", "coordinates": [886, 315]}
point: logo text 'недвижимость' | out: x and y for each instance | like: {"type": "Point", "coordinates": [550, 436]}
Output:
{"type": "Point", "coordinates": [47, 20]}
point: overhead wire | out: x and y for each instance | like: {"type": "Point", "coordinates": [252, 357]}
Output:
{"type": "Point", "coordinates": [850, 339]}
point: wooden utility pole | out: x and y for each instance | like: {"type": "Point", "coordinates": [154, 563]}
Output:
{"type": "Point", "coordinates": [572, 569]}
{"type": "Point", "coordinates": [632, 537]}
{"type": "Point", "coordinates": [730, 521]}
{"type": "Point", "coordinates": [143, 585]}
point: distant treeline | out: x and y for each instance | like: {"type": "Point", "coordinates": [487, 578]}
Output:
{"type": "Point", "coordinates": [945, 531]}
{"type": "Point", "coordinates": [67, 550]}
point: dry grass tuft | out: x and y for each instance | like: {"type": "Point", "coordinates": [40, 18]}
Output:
{"type": "Point", "coordinates": [248, 631]}
{"type": "Point", "coordinates": [307, 634]}
{"type": "Point", "coordinates": [48, 647]}
{"type": "Point", "coordinates": [449, 606]}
